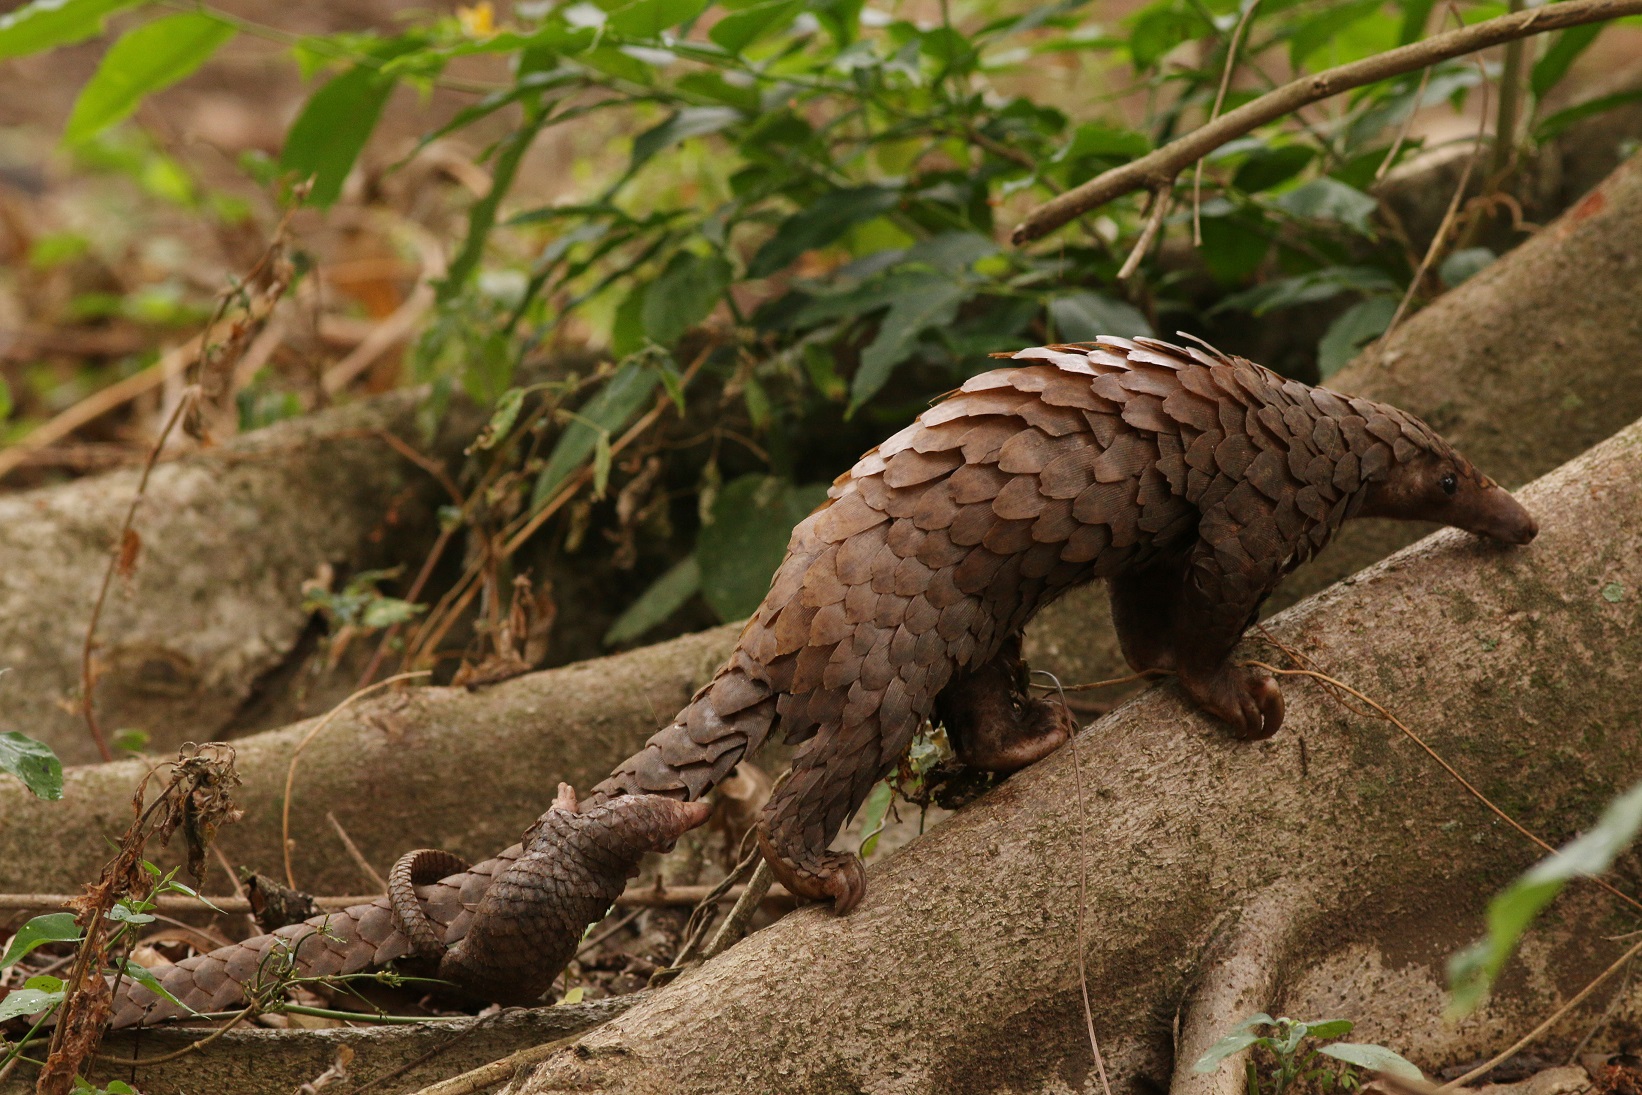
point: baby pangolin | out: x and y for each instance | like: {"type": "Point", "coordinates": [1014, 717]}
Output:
{"type": "Point", "coordinates": [1189, 480]}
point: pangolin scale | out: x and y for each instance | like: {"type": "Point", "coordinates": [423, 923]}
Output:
{"type": "Point", "coordinates": [1189, 480]}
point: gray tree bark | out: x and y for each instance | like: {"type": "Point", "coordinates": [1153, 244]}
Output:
{"type": "Point", "coordinates": [1328, 872]}
{"type": "Point", "coordinates": [214, 605]}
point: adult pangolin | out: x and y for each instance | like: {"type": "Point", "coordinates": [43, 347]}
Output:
{"type": "Point", "coordinates": [1190, 481]}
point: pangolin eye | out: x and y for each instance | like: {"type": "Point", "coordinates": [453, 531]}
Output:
{"type": "Point", "coordinates": [1450, 484]}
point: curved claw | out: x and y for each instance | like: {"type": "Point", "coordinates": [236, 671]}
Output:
{"type": "Point", "coordinates": [1247, 700]}
{"type": "Point", "coordinates": [839, 877]}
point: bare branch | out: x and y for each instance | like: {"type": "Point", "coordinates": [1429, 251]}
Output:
{"type": "Point", "coordinates": [1157, 169]}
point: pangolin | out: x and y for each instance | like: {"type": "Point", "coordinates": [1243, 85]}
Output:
{"type": "Point", "coordinates": [1189, 480]}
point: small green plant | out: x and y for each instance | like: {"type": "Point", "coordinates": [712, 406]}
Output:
{"type": "Point", "coordinates": [1299, 1057]}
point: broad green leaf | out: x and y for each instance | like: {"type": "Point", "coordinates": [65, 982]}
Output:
{"type": "Point", "coordinates": [1472, 971]}
{"type": "Point", "coordinates": [873, 812]}
{"type": "Point", "coordinates": [820, 223]}
{"type": "Point", "coordinates": [144, 60]}
{"type": "Point", "coordinates": [332, 129]}
{"type": "Point", "coordinates": [58, 927]}
{"type": "Point", "coordinates": [1377, 1058]}
{"type": "Point", "coordinates": [1308, 288]}
{"type": "Point", "coordinates": [1230, 1044]}
{"type": "Point", "coordinates": [1464, 264]}
{"type": "Point", "coordinates": [665, 596]}
{"type": "Point", "coordinates": [1269, 167]}
{"type": "Point", "coordinates": [34, 763]}
{"type": "Point", "coordinates": [1351, 330]}
{"type": "Point", "coordinates": [1097, 139]}
{"type": "Point", "coordinates": [1329, 200]}
{"type": "Point", "coordinates": [683, 295]}
{"type": "Point", "coordinates": [47, 24]}
{"type": "Point", "coordinates": [1415, 15]}
{"type": "Point", "coordinates": [145, 977]}
{"type": "Point", "coordinates": [932, 303]}
{"type": "Point", "coordinates": [386, 611]}
{"type": "Point", "coordinates": [620, 398]}
{"type": "Point", "coordinates": [740, 29]}
{"type": "Point", "coordinates": [1329, 1028]}
{"type": "Point", "coordinates": [1084, 315]}
{"type": "Point", "coordinates": [740, 548]}
{"type": "Point", "coordinates": [27, 1002]}
{"type": "Point", "coordinates": [1234, 246]}
{"type": "Point", "coordinates": [1565, 49]}
{"type": "Point", "coordinates": [648, 18]}
{"type": "Point", "coordinates": [1161, 27]}
{"type": "Point", "coordinates": [692, 121]}
{"type": "Point", "coordinates": [1313, 34]}
{"type": "Point", "coordinates": [1562, 119]}
{"type": "Point", "coordinates": [950, 252]}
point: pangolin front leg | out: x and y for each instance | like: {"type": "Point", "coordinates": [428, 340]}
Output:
{"type": "Point", "coordinates": [992, 720]}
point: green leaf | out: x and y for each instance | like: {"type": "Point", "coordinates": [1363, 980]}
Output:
{"type": "Point", "coordinates": [58, 927]}
{"type": "Point", "coordinates": [27, 1002]}
{"type": "Point", "coordinates": [5, 400]}
{"type": "Point", "coordinates": [386, 611]}
{"type": "Point", "coordinates": [332, 129]}
{"type": "Point", "coordinates": [1084, 315]}
{"type": "Point", "coordinates": [501, 419]}
{"type": "Point", "coordinates": [648, 18]}
{"type": "Point", "coordinates": [144, 60]}
{"type": "Point", "coordinates": [746, 540]}
{"type": "Point", "coordinates": [1377, 1058]}
{"type": "Point", "coordinates": [620, 398]}
{"type": "Point", "coordinates": [34, 763]}
{"type": "Point", "coordinates": [47, 24]}
{"type": "Point", "coordinates": [1269, 167]}
{"type": "Point", "coordinates": [601, 464]}
{"type": "Point", "coordinates": [932, 303]}
{"type": "Point", "coordinates": [1464, 264]}
{"type": "Point", "coordinates": [873, 812]}
{"type": "Point", "coordinates": [1330, 200]}
{"type": "Point", "coordinates": [1472, 971]}
{"type": "Point", "coordinates": [740, 29]}
{"type": "Point", "coordinates": [1351, 330]}
{"type": "Point", "coordinates": [145, 977]}
{"type": "Point", "coordinates": [1308, 288]}
{"type": "Point", "coordinates": [683, 295]}
{"type": "Point", "coordinates": [1551, 68]}
{"type": "Point", "coordinates": [821, 223]}
{"type": "Point", "coordinates": [1230, 1044]}
{"type": "Point", "coordinates": [1235, 246]}
{"type": "Point", "coordinates": [693, 121]}
{"type": "Point", "coordinates": [665, 596]}
{"type": "Point", "coordinates": [1313, 34]}
{"type": "Point", "coordinates": [1161, 27]}
{"type": "Point", "coordinates": [1562, 119]}
{"type": "Point", "coordinates": [1416, 13]}
{"type": "Point", "coordinates": [1329, 1028]}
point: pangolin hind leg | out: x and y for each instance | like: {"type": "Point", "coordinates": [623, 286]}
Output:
{"type": "Point", "coordinates": [992, 720]}
{"type": "Point", "coordinates": [1144, 603]}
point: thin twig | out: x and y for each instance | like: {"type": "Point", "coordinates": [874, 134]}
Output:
{"type": "Point", "coordinates": [290, 772]}
{"type": "Point", "coordinates": [1447, 223]}
{"type": "Point", "coordinates": [735, 924]}
{"type": "Point", "coordinates": [1083, 893]}
{"type": "Point", "coordinates": [1219, 101]}
{"type": "Point", "coordinates": [355, 854]}
{"type": "Point", "coordinates": [116, 557]}
{"type": "Point", "coordinates": [1157, 168]}
{"type": "Point", "coordinates": [1407, 126]}
{"type": "Point", "coordinates": [1156, 210]}
{"type": "Point", "coordinates": [191, 1047]}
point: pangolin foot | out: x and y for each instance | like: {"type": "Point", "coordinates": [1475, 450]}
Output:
{"type": "Point", "coordinates": [838, 877]}
{"type": "Point", "coordinates": [1248, 700]}
{"type": "Point", "coordinates": [1042, 726]}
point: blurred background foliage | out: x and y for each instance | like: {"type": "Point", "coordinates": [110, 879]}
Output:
{"type": "Point", "coordinates": [691, 259]}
